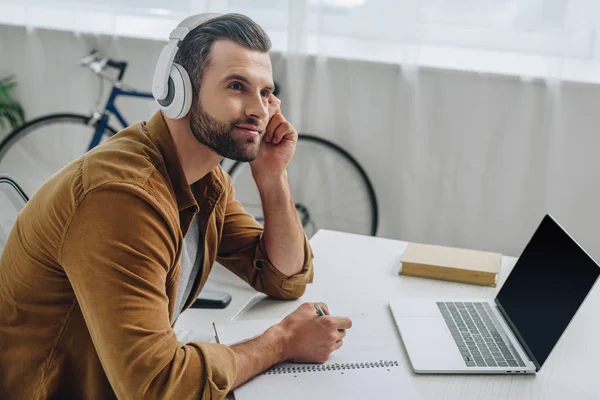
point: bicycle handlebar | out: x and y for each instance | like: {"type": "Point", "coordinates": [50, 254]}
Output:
{"type": "Point", "coordinates": [120, 65]}
{"type": "Point", "coordinates": [97, 63]}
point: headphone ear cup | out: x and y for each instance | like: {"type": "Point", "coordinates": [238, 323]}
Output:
{"type": "Point", "coordinates": [178, 102]}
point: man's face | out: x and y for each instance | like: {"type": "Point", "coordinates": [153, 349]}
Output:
{"type": "Point", "coordinates": [231, 111]}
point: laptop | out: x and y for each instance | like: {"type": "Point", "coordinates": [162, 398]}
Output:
{"type": "Point", "coordinates": [515, 332]}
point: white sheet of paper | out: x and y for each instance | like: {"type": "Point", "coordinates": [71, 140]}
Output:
{"type": "Point", "coordinates": [363, 343]}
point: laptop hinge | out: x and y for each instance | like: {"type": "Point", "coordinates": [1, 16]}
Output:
{"type": "Point", "coordinates": [517, 334]}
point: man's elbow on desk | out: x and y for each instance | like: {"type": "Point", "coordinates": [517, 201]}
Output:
{"type": "Point", "coordinates": [276, 284]}
{"type": "Point", "coordinates": [293, 294]}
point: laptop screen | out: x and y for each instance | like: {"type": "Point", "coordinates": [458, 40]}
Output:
{"type": "Point", "coordinates": [546, 287]}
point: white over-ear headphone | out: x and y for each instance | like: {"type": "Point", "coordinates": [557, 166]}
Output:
{"type": "Point", "coordinates": [171, 86]}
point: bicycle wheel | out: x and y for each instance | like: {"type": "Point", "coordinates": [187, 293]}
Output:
{"type": "Point", "coordinates": [35, 151]}
{"type": "Point", "coordinates": [329, 187]}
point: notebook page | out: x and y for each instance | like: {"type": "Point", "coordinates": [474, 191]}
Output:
{"type": "Point", "coordinates": [361, 367]}
{"type": "Point", "coordinates": [362, 342]}
{"type": "Point", "coordinates": [389, 383]}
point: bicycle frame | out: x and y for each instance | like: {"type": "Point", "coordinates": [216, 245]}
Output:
{"type": "Point", "coordinates": [111, 107]}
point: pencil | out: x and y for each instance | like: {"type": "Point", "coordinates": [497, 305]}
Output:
{"type": "Point", "coordinates": [319, 310]}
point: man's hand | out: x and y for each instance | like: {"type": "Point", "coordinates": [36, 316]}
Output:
{"type": "Point", "coordinates": [283, 233]}
{"type": "Point", "coordinates": [279, 143]}
{"type": "Point", "coordinates": [302, 336]}
{"type": "Point", "coordinates": [310, 338]}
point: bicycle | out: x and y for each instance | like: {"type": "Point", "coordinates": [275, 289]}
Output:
{"type": "Point", "coordinates": [44, 145]}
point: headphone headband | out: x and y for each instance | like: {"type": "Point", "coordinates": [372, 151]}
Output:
{"type": "Point", "coordinates": [165, 60]}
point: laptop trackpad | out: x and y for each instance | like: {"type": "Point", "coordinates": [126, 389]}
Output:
{"type": "Point", "coordinates": [429, 344]}
{"type": "Point", "coordinates": [415, 308]}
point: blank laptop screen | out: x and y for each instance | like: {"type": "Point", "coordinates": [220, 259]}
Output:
{"type": "Point", "coordinates": [546, 287]}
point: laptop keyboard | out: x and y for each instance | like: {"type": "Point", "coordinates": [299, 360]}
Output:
{"type": "Point", "coordinates": [476, 336]}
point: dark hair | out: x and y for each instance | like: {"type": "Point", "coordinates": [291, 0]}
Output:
{"type": "Point", "coordinates": [194, 50]}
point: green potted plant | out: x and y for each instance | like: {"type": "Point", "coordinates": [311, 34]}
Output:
{"type": "Point", "coordinates": [11, 112]}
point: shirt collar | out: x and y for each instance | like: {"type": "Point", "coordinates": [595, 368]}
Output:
{"type": "Point", "coordinates": [159, 133]}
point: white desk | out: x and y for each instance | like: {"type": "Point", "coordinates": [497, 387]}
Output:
{"type": "Point", "coordinates": [356, 274]}
{"type": "Point", "coordinates": [200, 321]}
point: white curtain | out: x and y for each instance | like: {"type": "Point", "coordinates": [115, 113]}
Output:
{"type": "Point", "coordinates": [469, 155]}
{"type": "Point", "coordinates": [472, 118]}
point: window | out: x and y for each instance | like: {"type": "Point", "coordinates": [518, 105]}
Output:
{"type": "Point", "coordinates": [468, 34]}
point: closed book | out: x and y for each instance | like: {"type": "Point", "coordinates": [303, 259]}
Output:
{"type": "Point", "coordinates": [451, 264]}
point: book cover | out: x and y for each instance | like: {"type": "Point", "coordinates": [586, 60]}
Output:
{"type": "Point", "coordinates": [451, 264]}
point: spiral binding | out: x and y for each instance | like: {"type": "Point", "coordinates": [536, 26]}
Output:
{"type": "Point", "coordinates": [295, 369]}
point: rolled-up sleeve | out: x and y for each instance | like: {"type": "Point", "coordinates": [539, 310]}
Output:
{"type": "Point", "coordinates": [242, 250]}
{"type": "Point", "coordinates": [117, 252]}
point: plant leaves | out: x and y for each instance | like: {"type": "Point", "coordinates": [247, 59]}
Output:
{"type": "Point", "coordinates": [13, 114]}
{"type": "Point", "coordinates": [10, 110]}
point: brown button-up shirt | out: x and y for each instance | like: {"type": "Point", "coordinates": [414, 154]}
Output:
{"type": "Point", "coordinates": [89, 276]}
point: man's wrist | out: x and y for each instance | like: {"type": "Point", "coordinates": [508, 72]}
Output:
{"type": "Point", "coordinates": [274, 189]}
{"type": "Point", "coordinates": [267, 179]}
{"type": "Point", "coordinates": [278, 335]}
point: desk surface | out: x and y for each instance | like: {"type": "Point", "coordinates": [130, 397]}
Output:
{"type": "Point", "coordinates": [358, 274]}
{"type": "Point", "coordinates": [199, 322]}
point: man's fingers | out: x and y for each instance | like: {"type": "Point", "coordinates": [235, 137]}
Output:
{"type": "Point", "coordinates": [341, 334]}
{"type": "Point", "coordinates": [336, 323]}
{"type": "Point", "coordinates": [274, 100]}
{"type": "Point", "coordinates": [272, 126]}
{"type": "Point", "coordinates": [337, 345]}
{"type": "Point", "coordinates": [324, 308]}
{"type": "Point", "coordinates": [312, 307]}
{"type": "Point", "coordinates": [343, 322]}
{"type": "Point", "coordinates": [284, 129]}
{"type": "Point", "coordinates": [274, 105]}
{"type": "Point", "coordinates": [280, 132]}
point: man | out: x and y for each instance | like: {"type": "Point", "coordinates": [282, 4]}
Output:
{"type": "Point", "coordinates": [111, 249]}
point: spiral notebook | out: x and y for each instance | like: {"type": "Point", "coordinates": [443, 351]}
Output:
{"type": "Point", "coordinates": [362, 368]}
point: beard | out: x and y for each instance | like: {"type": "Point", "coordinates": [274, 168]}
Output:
{"type": "Point", "coordinates": [219, 136]}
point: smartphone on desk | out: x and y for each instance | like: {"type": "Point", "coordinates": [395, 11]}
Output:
{"type": "Point", "coordinates": [212, 299]}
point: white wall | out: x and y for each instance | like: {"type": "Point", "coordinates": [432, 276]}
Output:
{"type": "Point", "coordinates": [50, 78]}
{"type": "Point", "coordinates": [455, 158]}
